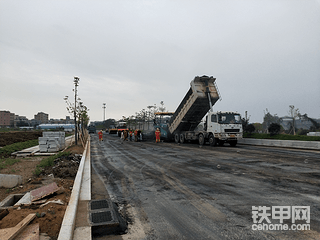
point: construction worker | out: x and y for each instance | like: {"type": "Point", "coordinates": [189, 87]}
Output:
{"type": "Point", "coordinates": [158, 134]}
{"type": "Point", "coordinates": [100, 135]}
{"type": "Point", "coordinates": [122, 138]}
{"type": "Point", "coordinates": [125, 135]}
{"type": "Point", "coordinates": [136, 135]}
{"type": "Point", "coordinates": [130, 135]}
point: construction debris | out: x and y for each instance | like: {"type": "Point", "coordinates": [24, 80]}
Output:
{"type": "Point", "coordinates": [43, 191]}
{"type": "Point", "coordinates": [11, 233]}
{"type": "Point", "coordinates": [53, 201]}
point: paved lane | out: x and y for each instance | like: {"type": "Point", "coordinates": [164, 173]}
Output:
{"type": "Point", "coordinates": [170, 191]}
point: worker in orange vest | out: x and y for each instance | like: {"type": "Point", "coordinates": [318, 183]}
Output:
{"type": "Point", "coordinates": [136, 135]}
{"type": "Point", "coordinates": [158, 134]}
{"type": "Point", "coordinates": [100, 135]}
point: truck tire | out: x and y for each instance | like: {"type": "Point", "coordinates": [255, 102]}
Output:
{"type": "Point", "coordinates": [212, 141]}
{"type": "Point", "coordinates": [182, 138]}
{"type": "Point", "coordinates": [233, 143]}
{"type": "Point", "coordinates": [177, 138]}
{"type": "Point", "coordinates": [201, 139]}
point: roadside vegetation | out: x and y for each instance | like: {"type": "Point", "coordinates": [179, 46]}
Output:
{"type": "Point", "coordinates": [7, 150]}
{"type": "Point", "coordinates": [5, 162]}
{"type": "Point", "coordinates": [284, 128]}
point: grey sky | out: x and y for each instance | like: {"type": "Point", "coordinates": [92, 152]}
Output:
{"type": "Point", "coordinates": [131, 54]}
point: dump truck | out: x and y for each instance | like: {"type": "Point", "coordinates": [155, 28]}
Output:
{"type": "Point", "coordinates": [92, 129]}
{"type": "Point", "coordinates": [219, 127]}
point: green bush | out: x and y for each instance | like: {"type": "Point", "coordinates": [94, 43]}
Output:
{"type": "Point", "coordinates": [281, 137]}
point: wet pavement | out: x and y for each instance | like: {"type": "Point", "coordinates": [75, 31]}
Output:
{"type": "Point", "coordinates": [171, 191]}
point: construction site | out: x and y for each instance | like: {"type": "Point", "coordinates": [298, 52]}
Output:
{"type": "Point", "coordinates": [194, 183]}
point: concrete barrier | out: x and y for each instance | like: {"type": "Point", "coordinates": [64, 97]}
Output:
{"type": "Point", "coordinates": [313, 145]}
{"type": "Point", "coordinates": [9, 180]}
{"type": "Point", "coordinates": [69, 219]}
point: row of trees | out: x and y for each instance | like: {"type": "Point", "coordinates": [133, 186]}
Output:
{"type": "Point", "coordinates": [144, 116]}
{"type": "Point", "coordinates": [79, 111]}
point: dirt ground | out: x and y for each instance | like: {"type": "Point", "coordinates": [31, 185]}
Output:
{"type": "Point", "coordinates": [7, 138]}
{"type": "Point", "coordinates": [62, 173]}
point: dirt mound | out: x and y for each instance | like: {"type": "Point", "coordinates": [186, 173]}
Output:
{"type": "Point", "coordinates": [7, 138]}
{"type": "Point", "coordinates": [64, 167]}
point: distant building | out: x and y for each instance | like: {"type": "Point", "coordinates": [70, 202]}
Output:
{"type": "Point", "coordinates": [286, 123]}
{"type": "Point", "coordinates": [20, 121]}
{"type": "Point", "coordinates": [61, 121]}
{"type": "Point", "coordinates": [5, 117]}
{"type": "Point", "coordinates": [12, 119]}
{"type": "Point", "coordinates": [42, 117]}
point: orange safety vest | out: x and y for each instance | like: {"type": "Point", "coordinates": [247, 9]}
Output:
{"type": "Point", "coordinates": [157, 134]}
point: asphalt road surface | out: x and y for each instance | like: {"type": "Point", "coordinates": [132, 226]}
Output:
{"type": "Point", "coordinates": [171, 191]}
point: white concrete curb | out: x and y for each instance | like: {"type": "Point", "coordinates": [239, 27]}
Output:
{"type": "Point", "coordinates": [313, 145]}
{"type": "Point", "coordinates": [68, 223]}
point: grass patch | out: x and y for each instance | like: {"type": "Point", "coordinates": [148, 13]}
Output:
{"type": "Point", "coordinates": [7, 150]}
{"type": "Point", "coordinates": [48, 162]}
{"type": "Point", "coordinates": [281, 137]}
{"type": "Point", "coordinates": [5, 162]}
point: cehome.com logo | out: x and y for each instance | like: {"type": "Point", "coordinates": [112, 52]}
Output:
{"type": "Point", "coordinates": [261, 218]}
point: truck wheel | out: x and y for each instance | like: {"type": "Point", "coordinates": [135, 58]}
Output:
{"type": "Point", "coordinates": [201, 139]}
{"type": "Point", "coordinates": [177, 138]}
{"type": "Point", "coordinates": [212, 141]}
{"type": "Point", "coordinates": [233, 143]}
{"type": "Point", "coordinates": [182, 138]}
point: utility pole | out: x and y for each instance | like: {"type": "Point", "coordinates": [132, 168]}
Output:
{"type": "Point", "coordinates": [76, 84]}
{"type": "Point", "coordinates": [104, 111]}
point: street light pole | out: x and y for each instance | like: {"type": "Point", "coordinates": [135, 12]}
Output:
{"type": "Point", "coordinates": [76, 84]}
{"type": "Point", "coordinates": [104, 111]}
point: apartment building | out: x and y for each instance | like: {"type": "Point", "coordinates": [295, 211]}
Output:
{"type": "Point", "coordinates": [42, 117]}
{"type": "Point", "coordinates": [5, 117]}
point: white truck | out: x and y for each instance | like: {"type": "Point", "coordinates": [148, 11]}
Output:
{"type": "Point", "coordinates": [219, 127]}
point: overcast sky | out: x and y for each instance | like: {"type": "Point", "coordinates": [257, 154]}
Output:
{"type": "Point", "coordinates": [132, 54]}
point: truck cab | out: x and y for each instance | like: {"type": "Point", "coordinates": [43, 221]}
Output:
{"type": "Point", "coordinates": [224, 126]}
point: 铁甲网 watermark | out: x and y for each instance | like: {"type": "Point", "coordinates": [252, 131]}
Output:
{"type": "Point", "coordinates": [299, 215]}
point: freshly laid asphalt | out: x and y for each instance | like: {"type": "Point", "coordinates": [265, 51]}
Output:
{"type": "Point", "coordinates": [171, 191]}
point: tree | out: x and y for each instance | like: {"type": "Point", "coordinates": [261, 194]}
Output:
{"type": "Point", "coordinates": [274, 129]}
{"type": "Point", "coordinates": [315, 125]}
{"type": "Point", "coordinates": [162, 108]}
{"type": "Point", "coordinates": [294, 114]}
{"type": "Point", "coordinates": [81, 112]}
{"type": "Point", "coordinates": [245, 122]}
{"type": "Point", "coordinates": [268, 119]}
{"type": "Point", "coordinates": [250, 128]}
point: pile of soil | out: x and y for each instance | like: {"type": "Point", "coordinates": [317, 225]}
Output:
{"type": "Point", "coordinates": [64, 167]}
{"type": "Point", "coordinates": [7, 138]}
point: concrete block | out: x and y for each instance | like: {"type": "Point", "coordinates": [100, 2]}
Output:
{"type": "Point", "coordinates": [42, 140]}
{"type": "Point", "coordinates": [9, 180]}
{"type": "Point", "coordinates": [10, 200]}
{"type": "Point", "coordinates": [26, 199]}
